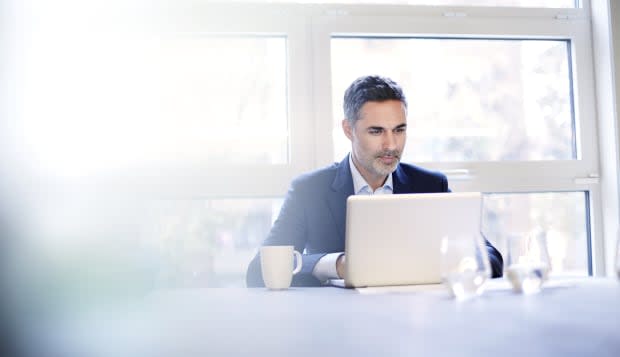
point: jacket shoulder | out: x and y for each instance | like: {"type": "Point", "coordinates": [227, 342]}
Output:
{"type": "Point", "coordinates": [415, 179]}
{"type": "Point", "coordinates": [323, 176]}
{"type": "Point", "coordinates": [417, 171]}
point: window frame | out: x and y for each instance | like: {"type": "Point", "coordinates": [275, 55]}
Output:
{"type": "Point", "coordinates": [309, 28]}
{"type": "Point", "coordinates": [267, 180]}
{"type": "Point", "coordinates": [580, 175]}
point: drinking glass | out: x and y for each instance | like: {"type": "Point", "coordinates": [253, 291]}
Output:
{"type": "Point", "coordinates": [527, 261]}
{"type": "Point", "coordinates": [464, 265]}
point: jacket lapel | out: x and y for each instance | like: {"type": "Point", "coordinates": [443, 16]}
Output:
{"type": "Point", "coordinates": [400, 181]}
{"type": "Point", "coordinates": [342, 188]}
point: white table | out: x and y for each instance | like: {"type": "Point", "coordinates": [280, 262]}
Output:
{"type": "Point", "coordinates": [566, 319]}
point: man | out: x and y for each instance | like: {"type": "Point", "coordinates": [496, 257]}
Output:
{"type": "Point", "coordinates": [312, 217]}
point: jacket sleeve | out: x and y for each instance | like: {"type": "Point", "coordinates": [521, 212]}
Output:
{"type": "Point", "coordinates": [496, 261]}
{"type": "Point", "coordinates": [289, 229]}
{"type": "Point", "coordinates": [444, 184]}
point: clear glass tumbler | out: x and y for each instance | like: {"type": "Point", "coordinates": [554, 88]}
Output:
{"type": "Point", "coordinates": [527, 263]}
{"type": "Point", "coordinates": [464, 265]}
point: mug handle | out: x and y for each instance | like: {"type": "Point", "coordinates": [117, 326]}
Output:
{"type": "Point", "coordinates": [297, 261]}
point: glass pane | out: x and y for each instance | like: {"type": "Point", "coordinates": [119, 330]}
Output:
{"type": "Point", "coordinates": [517, 3]}
{"type": "Point", "coordinates": [469, 99]}
{"type": "Point", "coordinates": [224, 99]}
{"type": "Point", "coordinates": [200, 243]}
{"type": "Point", "coordinates": [97, 104]}
{"type": "Point", "coordinates": [561, 215]}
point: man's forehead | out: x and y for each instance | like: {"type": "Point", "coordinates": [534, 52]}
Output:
{"type": "Point", "coordinates": [383, 114]}
{"type": "Point", "coordinates": [385, 105]}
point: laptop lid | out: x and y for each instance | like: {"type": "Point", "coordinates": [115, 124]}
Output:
{"type": "Point", "coordinates": [395, 239]}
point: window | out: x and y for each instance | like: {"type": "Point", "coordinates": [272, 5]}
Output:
{"type": "Point", "coordinates": [206, 100]}
{"type": "Point", "coordinates": [223, 100]}
{"type": "Point", "coordinates": [562, 216]}
{"type": "Point", "coordinates": [498, 104]}
{"type": "Point", "coordinates": [204, 243]}
{"type": "Point", "coordinates": [469, 99]}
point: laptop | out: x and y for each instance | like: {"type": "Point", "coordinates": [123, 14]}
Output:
{"type": "Point", "coordinates": [395, 239]}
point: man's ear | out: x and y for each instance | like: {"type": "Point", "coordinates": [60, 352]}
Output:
{"type": "Point", "coordinates": [348, 130]}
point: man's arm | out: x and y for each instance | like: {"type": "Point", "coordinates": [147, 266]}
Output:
{"type": "Point", "coordinates": [327, 267]}
{"type": "Point", "coordinates": [289, 229]}
{"type": "Point", "coordinates": [495, 258]}
{"type": "Point", "coordinates": [254, 277]}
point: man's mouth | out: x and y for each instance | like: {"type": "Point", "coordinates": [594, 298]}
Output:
{"type": "Point", "coordinates": [388, 159]}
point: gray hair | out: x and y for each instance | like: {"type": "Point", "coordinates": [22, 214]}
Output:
{"type": "Point", "coordinates": [370, 89]}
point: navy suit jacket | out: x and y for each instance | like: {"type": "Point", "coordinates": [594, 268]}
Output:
{"type": "Point", "coordinates": [312, 217]}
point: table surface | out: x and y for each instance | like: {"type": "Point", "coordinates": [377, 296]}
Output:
{"type": "Point", "coordinates": [567, 318]}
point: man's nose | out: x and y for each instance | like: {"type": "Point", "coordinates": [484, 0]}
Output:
{"type": "Point", "coordinates": [389, 141]}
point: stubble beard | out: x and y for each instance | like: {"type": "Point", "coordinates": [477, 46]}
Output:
{"type": "Point", "coordinates": [382, 169]}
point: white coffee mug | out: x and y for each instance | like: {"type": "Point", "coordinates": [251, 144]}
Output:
{"type": "Point", "coordinates": [276, 262]}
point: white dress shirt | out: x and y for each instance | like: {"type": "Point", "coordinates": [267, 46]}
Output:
{"type": "Point", "coordinates": [325, 268]}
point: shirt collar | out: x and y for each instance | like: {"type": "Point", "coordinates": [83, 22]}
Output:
{"type": "Point", "coordinates": [360, 185]}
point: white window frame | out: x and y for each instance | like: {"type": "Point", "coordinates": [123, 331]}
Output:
{"type": "Point", "coordinates": [246, 181]}
{"type": "Point", "coordinates": [309, 28]}
{"type": "Point", "coordinates": [493, 177]}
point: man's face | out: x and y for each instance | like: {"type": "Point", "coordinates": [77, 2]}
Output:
{"type": "Point", "coordinates": [377, 138]}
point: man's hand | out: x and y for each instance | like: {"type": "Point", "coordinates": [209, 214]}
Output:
{"type": "Point", "coordinates": [340, 266]}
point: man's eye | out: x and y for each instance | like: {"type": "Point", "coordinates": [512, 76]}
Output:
{"type": "Point", "coordinates": [374, 131]}
{"type": "Point", "coordinates": [401, 130]}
